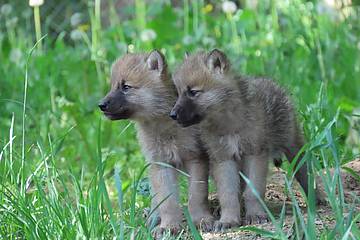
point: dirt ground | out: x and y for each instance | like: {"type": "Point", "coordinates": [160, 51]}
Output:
{"type": "Point", "coordinates": [275, 197]}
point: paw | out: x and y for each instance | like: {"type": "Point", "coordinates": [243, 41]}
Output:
{"type": "Point", "coordinates": [222, 225]}
{"type": "Point", "coordinates": [320, 198]}
{"type": "Point", "coordinates": [152, 218]}
{"type": "Point", "coordinates": [206, 224]}
{"type": "Point", "coordinates": [161, 231]}
{"type": "Point", "coordinates": [216, 211]}
{"type": "Point", "coordinates": [153, 221]}
{"type": "Point", "coordinates": [255, 219]}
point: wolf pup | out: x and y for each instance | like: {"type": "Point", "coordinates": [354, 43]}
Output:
{"type": "Point", "coordinates": [244, 122]}
{"type": "Point", "coordinates": [142, 91]}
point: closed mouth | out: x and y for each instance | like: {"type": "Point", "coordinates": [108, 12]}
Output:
{"type": "Point", "coordinates": [123, 114]}
{"type": "Point", "coordinates": [186, 123]}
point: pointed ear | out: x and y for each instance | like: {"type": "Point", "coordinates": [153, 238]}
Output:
{"type": "Point", "coordinates": [217, 61]}
{"type": "Point", "coordinates": [186, 55]}
{"type": "Point", "coordinates": [156, 61]}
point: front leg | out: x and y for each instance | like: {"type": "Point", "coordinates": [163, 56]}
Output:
{"type": "Point", "coordinates": [165, 189]}
{"type": "Point", "coordinates": [227, 180]}
{"type": "Point", "coordinates": [198, 193]}
{"type": "Point", "coordinates": [256, 168]}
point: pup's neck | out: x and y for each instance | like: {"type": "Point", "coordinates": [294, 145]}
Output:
{"type": "Point", "coordinates": [234, 110]}
{"type": "Point", "coordinates": [156, 125]}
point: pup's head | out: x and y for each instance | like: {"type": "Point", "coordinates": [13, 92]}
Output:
{"type": "Point", "coordinates": [140, 88]}
{"type": "Point", "coordinates": [202, 85]}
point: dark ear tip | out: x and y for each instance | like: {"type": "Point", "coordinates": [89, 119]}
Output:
{"type": "Point", "coordinates": [157, 53]}
{"type": "Point", "coordinates": [156, 60]}
{"type": "Point", "coordinates": [217, 59]}
{"type": "Point", "coordinates": [216, 51]}
{"type": "Point", "coordinates": [187, 54]}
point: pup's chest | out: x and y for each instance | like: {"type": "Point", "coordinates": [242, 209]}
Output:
{"type": "Point", "coordinates": [172, 149]}
{"type": "Point", "coordinates": [224, 147]}
{"type": "Point", "coordinates": [230, 146]}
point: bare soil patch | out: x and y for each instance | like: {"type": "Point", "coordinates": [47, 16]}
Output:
{"type": "Point", "coordinates": [276, 196]}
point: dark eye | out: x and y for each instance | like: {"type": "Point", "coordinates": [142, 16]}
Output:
{"type": "Point", "coordinates": [193, 93]}
{"type": "Point", "coordinates": [125, 87]}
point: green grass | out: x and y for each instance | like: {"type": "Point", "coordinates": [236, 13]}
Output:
{"type": "Point", "coordinates": [66, 172]}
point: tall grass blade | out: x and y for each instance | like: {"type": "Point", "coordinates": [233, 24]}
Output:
{"type": "Point", "coordinates": [194, 232]}
{"type": "Point", "coordinates": [278, 228]}
{"type": "Point", "coordinates": [118, 185]}
{"type": "Point", "coordinates": [20, 176]}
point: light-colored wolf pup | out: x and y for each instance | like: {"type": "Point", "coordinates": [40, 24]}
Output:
{"type": "Point", "coordinates": [142, 91]}
{"type": "Point", "coordinates": [244, 123]}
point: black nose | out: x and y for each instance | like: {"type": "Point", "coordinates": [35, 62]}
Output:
{"type": "Point", "coordinates": [103, 106]}
{"type": "Point", "coordinates": [173, 114]}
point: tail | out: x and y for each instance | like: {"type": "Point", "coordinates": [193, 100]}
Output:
{"type": "Point", "coordinates": [302, 175]}
{"type": "Point", "coordinates": [290, 152]}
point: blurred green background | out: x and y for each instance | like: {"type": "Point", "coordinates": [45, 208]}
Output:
{"type": "Point", "coordinates": [300, 44]}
